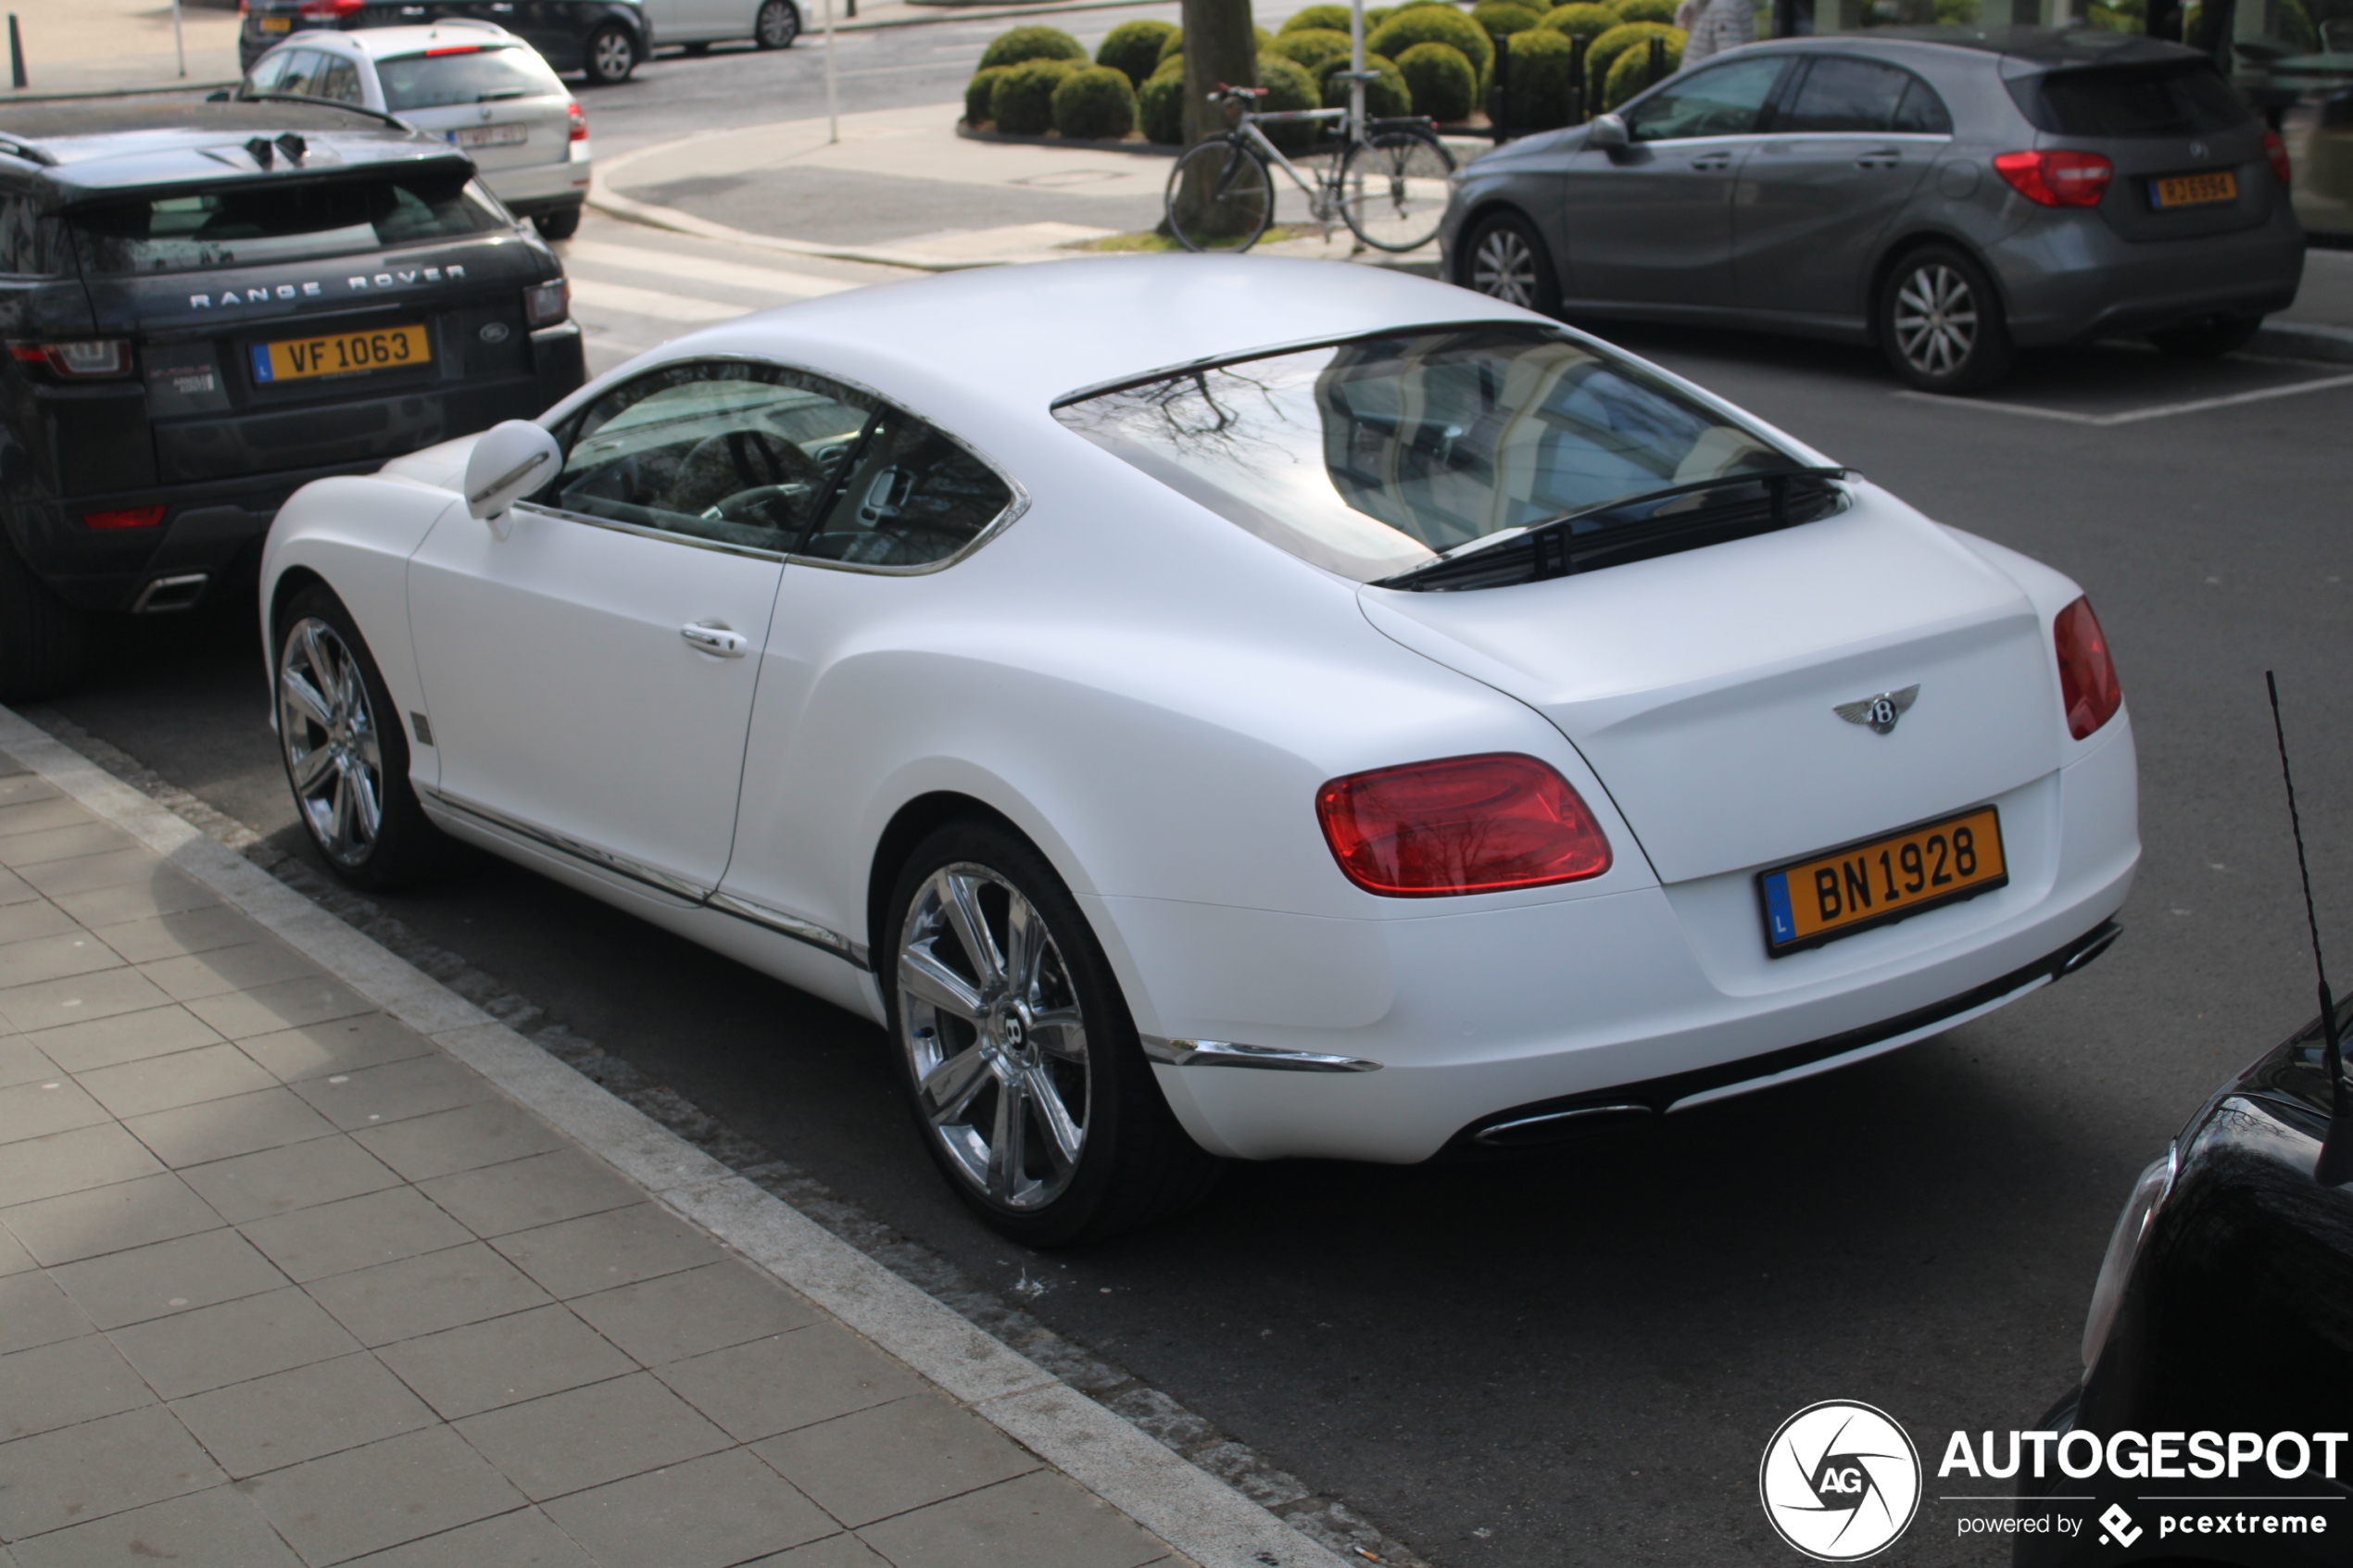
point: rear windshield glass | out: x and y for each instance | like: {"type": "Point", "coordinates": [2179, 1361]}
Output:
{"type": "Point", "coordinates": [254, 224]}
{"type": "Point", "coordinates": [478, 76]}
{"type": "Point", "coordinates": [1372, 457]}
{"type": "Point", "coordinates": [2187, 99]}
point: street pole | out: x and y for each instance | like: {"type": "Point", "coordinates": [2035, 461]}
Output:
{"type": "Point", "coordinates": [177, 40]}
{"type": "Point", "coordinates": [16, 53]}
{"type": "Point", "coordinates": [833, 98]}
{"type": "Point", "coordinates": [1355, 64]}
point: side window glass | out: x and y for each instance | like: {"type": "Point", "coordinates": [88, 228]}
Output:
{"type": "Point", "coordinates": [1840, 94]}
{"type": "Point", "coordinates": [265, 75]}
{"type": "Point", "coordinates": [1718, 101]}
{"type": "Point", "coordinates": [20, 235]}
{"type": "Point", "coordinates": [731, 454]}
{"type": "Point", "coordinates": [1922, 113]}
{"type": "Point", "coordinates": [339, 81]}
{"type": "Point", "coordinates": [301, 73]}
{"type": "Point", "coordinates": [914, 497]}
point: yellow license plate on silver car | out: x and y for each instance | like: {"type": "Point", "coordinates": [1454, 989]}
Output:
{"type": "Point", "coordinates": [342, 354]}
{"type": "Point", "coordinates": [2195, 190]}
{"type": "Point", "coordinates": [1826, 896]}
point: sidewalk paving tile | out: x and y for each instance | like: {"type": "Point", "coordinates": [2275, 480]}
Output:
{"type": "Point", "coordinates": [187, 931]}
{"type": "Point", "coordinates": [36, 1109]}
{"type": "Point", "coordinates": [599, 1251]}
{"type": "Point", "coordinates": [163, 891]}
{"type": "Point", "coordinates": [193, 976]}
{"type": "Point", "coordinates": [222, 1129]}
{"type": "Point", "coordinates": [36, 917]}
{"type": "Point", "coordinates": [561, 1185]}
{"type": "Point", "coordinates": [21, 1062]}
{"type": "Point", "coordinates": [680, 1315]}
{"type": "Point", "coordinates": [49, 1003]}
{"type": "Point", "coordinates": [55, 958]}
{"type": "Point", "coordinates": [213, 1347]}
{"type": "Point", "coordinates": [424, 1295]}
{"type": "Point", "coordinates": [834, 1551]}
{"type": "Point", "coordinates": [135, 867]}
{"type": "Point", "coordinates": [904, 1455]}
{"type": "Point", "coordinates": [99, 1468]}
{"type": "Point", "coordinates": [395, 1091]}
{"type": "Point", "coordinates": [35, 1312]}
{"type": "Point", "coordinates": [281, 1181]}
{"type": "Point", "coordinates": [85, 1224]}
{"type": "Point", "coordinates": [167, 1082]}
{"type": "Point", "coordinates": [214, 1528]}
{"type": "Point", "coordinates": [128, 1036]}
{"type": "Point", "coordinates": [710, 1512]}
{"type": "Point", "coordinates": [14, 889]}
{"type": "Point", "coordinates": [288, 1417]}
{"type": "Point", "coordinates": [63, 1162]}
{"type": "Point", "coordinates": [342, 1045]}
{"type": "Point", "coordinates": [203, 1270]}
{"type": "Point", "coordinates": [358, 1232]}
{"type": "Point", "coordinates": [526, 1538]}
{"type": "Point", "coordinates": [66, 1384]}
{"type": "Point", "coordinates": [33, 813]}
{"type": "Point", "coordinates": [1038, 1521]}
{"type": "Point", "coordinates": [14, 1259]}
{"type": "Point", "coordinates": [504, 1360]}
{"type": "Point", "coordinates": [568, 1442]}
{"type": "Point", "coordinates": [488, 1133]}
{"type": "Point", "coordinates": [386, 1494]}
{"type": "Point", "coordinates": [788, 1380]}
{"type": "Point", "coordinates": [289, 1004]}
{"type": "Point", "coordinates": [74, 841]}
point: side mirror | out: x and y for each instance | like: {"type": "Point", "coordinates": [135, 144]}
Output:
{"type": "Point", "coordinates": [509, 461]}
{"type": "Point", "coordinates": [1607, 131]}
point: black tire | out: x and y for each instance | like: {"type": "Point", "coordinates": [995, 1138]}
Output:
{"type": "Point", "coordinates": [1940, 323]}
{"type": "Point", "coordinates": [777, 24]}
{"type": "Point", "coordinates": [1394, 188]}
{"type": "Point", "coordinates": [1232, 201]}
{"type": "Point", "coordinates": [2210, 338]}
{"type": "Point", "coordinates": [349, 729]}
{"type": "Point", "coordinates": [44, 642]}
{"type": "Point", "coordinates": [995, 1045]}
{"type": "Point", "coordinates": [1504, 257]}
{"type": "Point", "coordinates": [609, 56]}
{"type": "Point", "coordinates": [560, 224]}
{"type": "Point", "coordinates": [697, 50]}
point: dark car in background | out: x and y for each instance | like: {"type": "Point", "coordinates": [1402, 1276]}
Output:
{"type": "Point", "coordinates": [1947, 193]}
{"type": "Point", "coordinates": [603, 40]}
{"type": "Point", "coordinates": [207, 306]}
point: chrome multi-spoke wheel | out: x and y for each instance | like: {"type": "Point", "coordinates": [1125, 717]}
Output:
{"type": "Point", "coordinates": [1935, 319]}
{"type": "Point", "coordinates": [1502, 267]}
{"type": "Point", "coordinates": [994, 1036]}
{"type": "Point", "coordinates": [328, 727]}
{"type": "Point", "coordinates": [612, 55]}
{"type": "Point", "coordinates": [777, 26]}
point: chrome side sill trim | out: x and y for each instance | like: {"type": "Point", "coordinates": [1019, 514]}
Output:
{"type": "Point", "coordinates": [791, 925]}
{"type": "Point", "coordinates": [1228, 1053]}
{"type": "Point", "coordinates": [603, 859]}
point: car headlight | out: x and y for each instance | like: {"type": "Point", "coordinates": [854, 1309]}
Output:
{"type": "Point", "coordinates": [2123, 1247]}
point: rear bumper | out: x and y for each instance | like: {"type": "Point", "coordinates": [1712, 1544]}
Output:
{"type": "Point", "coordinates": [2072, 281]}
{"type": "Point", "coordinates": [542, 188]}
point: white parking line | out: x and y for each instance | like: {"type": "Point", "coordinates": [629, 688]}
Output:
{"type": "Point", "coordinates": [2134, 416]}
{"type": "Point", "coordinates": [704, 269]}
{"type": "Point", "coordinates": [632, 301]}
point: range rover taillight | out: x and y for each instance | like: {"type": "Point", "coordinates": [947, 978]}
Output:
{"type": "Point", "coordinates": [546, 303]}
{"type": "Point", "coordinates": [1461, 824]}
{"type": "Point", "coordinates": [88, 359]}
{"type": "Point", "coordinates": [329, 10]}
{"type": "Point", "coordinates": [2088, 687]}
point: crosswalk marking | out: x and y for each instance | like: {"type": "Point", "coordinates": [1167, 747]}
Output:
{"type": "Point", "coordinates": [703, 269]}
{"type": "Point", "coordinates": [596, 295]}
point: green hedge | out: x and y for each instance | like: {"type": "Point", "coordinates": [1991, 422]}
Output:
{"type": "Point", "coordinates": [1133, 48]}
{"type": "Point", "coordinates": [1434, 24]}
{"type": "Point", "coordinates": [1160, 108]}
{"type": "Point", "coordinates": [1501, 18]}
{"type": "Point", "coordinates": [1176, 42]}
{"type": "Point", "coordinates": [1289, 86]}
{"type": "Point", "coordinates": [1442, 82]}
{"type": "Point", "coordinates": [1603, 51]}
{"type": "Point", "coordinates": [1541, 80]}
{"type": "Point", "coordinates": [1584, 19]}
{"type": "Point", "coordinates": [1023, 101]}
{"type": "Point", "coordinates": [1389, 98]}
{"type": "Point", "coordinates": [1662, 11]}
{"type": "Point", "coordinates": [1031, 44]}
{"type": "Point", "coordinates": [1311, 46]}
{"type": "Point", "coordinates": [1619, 60]}
{"type": "Point", "coordinates": [978, 93]}
{"type": "Point", "coordinates": [1335, 17]}
{"type": "Point", "coordinates": [1095, 105]}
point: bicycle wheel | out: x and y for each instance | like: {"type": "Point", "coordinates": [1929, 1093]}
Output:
{"type": "Point", "coordinates": [1393, 188]}
{"type": "Point", "coordinates": [1219, 196]}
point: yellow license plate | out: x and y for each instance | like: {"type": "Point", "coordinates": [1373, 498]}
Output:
{"type": "Point", "coordinates": [1827, 897]}
{"type": "Point", "coordinates": [277, 24]}
{"type": "Point", "coordinates": [2194, 190]}
{"type": "Point", "coordinates": [340, 353]}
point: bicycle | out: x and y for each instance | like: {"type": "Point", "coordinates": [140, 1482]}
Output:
{"type": "Point", "coordinates": [1389, 184]}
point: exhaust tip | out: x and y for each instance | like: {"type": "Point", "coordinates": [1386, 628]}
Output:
{"type": "Point", "coordinates": [166, 594]}
{"type": "Point", "coordinates": [1557, 1126]}
{"type": "Point", "coordinates": [2098, 942]}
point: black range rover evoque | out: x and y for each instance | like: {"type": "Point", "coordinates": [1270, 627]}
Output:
{"type": "Point", "coordinates": [205, 307]}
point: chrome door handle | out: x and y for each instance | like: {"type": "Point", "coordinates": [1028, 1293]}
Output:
{"type": "Point", "coordinates": [1880, 158]}
{"type": "Point", "coordinates": [709, 636]}
{"type": "Point", "coordinates": [1712, 161]}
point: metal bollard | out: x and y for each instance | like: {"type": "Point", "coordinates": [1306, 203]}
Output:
{"type": "Point", "coordinates": [1657, 62]}
{"type": "Point", "coordinates": [1577, 45]}
{"type": "Point", "coordinates": [1499, 91]}
{"type": "Point", "coordinates": [16, 54]}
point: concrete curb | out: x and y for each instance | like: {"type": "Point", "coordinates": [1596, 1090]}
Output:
{"type": "Point", "coordinates": [2298, 340]}
{"type": "Point", "coordinates": [1193, 1511]}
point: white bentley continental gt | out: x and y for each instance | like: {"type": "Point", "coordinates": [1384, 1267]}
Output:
{"type": "Point", "coordinates": [1227, 706]}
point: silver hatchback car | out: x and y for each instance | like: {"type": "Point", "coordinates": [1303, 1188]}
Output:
{"type": "Point", "coordinates": [1948, 193]}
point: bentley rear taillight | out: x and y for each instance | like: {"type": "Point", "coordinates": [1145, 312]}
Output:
{"type": "Point", "coordinates": [1463, 824]}
{"type": "Point", "coordinates": [2088, 687]}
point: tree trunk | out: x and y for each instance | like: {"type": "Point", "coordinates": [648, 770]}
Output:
{"type": "Point", "coordinates": [1221, 46]}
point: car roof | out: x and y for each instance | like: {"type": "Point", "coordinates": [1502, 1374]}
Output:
{"type": "Point", "coordinates": [2055, 48]}
{"type": "Point", "coordinates": [383, 43]}
{"type": "Point", "coordinates": [118, 144]}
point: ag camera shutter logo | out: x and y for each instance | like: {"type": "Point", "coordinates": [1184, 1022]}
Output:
{"type": "Point", "coordinates": [1839, 1481]}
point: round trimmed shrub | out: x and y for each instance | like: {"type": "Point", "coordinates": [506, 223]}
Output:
{"type": "Point", "coordinates": [1288, 87]}
{"type": "Point", "coordinates": [1539, 86]}
{"type": "Point", "coordinates": [1311, 46]}
{"type": "Point", "coordinates": [1629, 69]}
{"type": "Point", "coordinates": [1375, 16]}
{"type": "Point", "coordinates": [1647, 11]}
{"type": "Point", "coordinates": [1031, 44]}
{"type": "Point", "coordinates": [1584, 19]}
{"type": "Point", "coordinates": [1095, 105]}
{"type": "Point", "coordinates": [1410, 5]}
{"type": "Point", "coordinates": [1386, 99]}
{"type": "Point", "coordinates": [1133, 48]}
{"type": "Point", "coordinates": [1602, 53]}
{"type": "Point", "coordinates": [1160, 108]}
{"type": "Point", "coordinates": [1333, 18]}
{"type": "Point", "coordinates": [977, 95]}
{"type": "Point", "coordinates": [1175, 44]}
{"type": "Point", "coordinates": [1442, 82]}
{"type": "Point", "coordinates": [1434, 24]}
{"type": "Point", "coordinates": [1023, 101]}
{"type": "Point", "coordinates": [1501, 18]}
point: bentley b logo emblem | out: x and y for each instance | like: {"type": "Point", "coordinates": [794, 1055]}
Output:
{"type": "Point", "coordinates": [1880, 712]}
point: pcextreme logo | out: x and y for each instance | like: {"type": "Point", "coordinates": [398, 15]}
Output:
{"type": "Point", "coordinates": [1839, 1481]}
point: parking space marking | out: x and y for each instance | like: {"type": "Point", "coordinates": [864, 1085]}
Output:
{"type": "Point", "coordinates": [2134, 416]}
{"type": "Point", "coordinates": [629, 300]}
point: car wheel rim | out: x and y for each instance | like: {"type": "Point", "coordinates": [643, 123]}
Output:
{"type": "Point", "coordinates": [329, 731]}
{"type": "Point", "coordinates": [1502, 267]}
{"type": "Point", "coordinates": [1935, 319]}
{"type": "Point", "coordinates": [994, 1032]}
{"type": "Point", "coordinates": [614, 56]}
{"type": "Point", "coordinates": [776, 27]}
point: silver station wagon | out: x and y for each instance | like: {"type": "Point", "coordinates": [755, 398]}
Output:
{"type": "Point", "coordinates": [1948, 193]}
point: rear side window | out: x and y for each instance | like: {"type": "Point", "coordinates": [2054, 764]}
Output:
{"type": "Point", "coordinates": [914, 497]}
{"type": "Point", "coordinates": [250, 225]}
{"type": "Point", "coordinates": [2185, 99]}
{"type": "Point", "coordinates": [475, 76]}
{"type": "Point", "coordinates": [1845, 95]}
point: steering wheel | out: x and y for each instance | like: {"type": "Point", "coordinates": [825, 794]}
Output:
{"type": "Point", "coordinates": [720, 474]}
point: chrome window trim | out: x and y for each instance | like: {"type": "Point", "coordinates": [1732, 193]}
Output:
{"type": "Point", "coordinates": [1229, 1053]}
{"type": "Point", "coordinates": [562, 515]}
